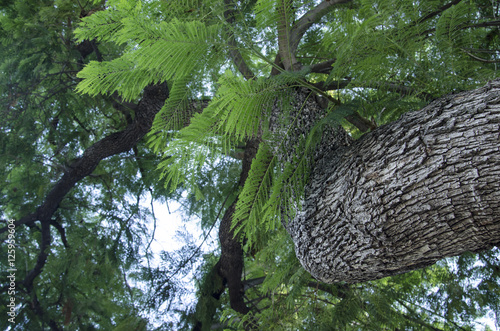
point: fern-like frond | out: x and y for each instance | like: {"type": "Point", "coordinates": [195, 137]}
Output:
{"type": "Point", "coordinates": [120, 75]}
{"type": "Point", "coordinates": [240, 104]}
{"type": "Point", "coordinates": [175, 48]}
{"type": "Point", "coordinates": [175, 114]}
{"type": "Point", "coordinates": [161, 51]}
{"type": "Point", "coordinates": [275, 186]}
{"type": "Point", "coordinates": [287, 190]}
{"type": "Point", "coordinates": [233, 115]}
{"type": "Point", "coordinates": [108, 25]}
{"type": "Point", "coordinates": [102, 26]}
{"type": "Point", "coordinates": [451, 22]}
{"type": "Point", "coordinates": [265, 13]}
{"type": "Point", "coordinates": [248, 212]}
{"type": "Point", "coordinates": [351, 43]}
{"type": "Point", "coordinates": [183, 164]}
{"type": "Point", "coordinates": [192, 147]}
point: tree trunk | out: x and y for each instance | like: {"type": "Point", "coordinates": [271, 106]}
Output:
{"type": "Point", "coordinates": [405, 195]}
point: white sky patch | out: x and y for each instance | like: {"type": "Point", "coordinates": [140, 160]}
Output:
{"type": "Point", "coordinates": [169, 222]}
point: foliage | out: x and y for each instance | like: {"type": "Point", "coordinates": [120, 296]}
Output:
{"type": "Point", "coordinates": [99, 231]}
{"type": "Point", "coordinates": [385, 58]}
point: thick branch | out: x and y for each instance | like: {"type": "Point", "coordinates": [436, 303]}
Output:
{"type": "Point", "coordinates": [407, 194]}
{"type": "Point", "coordinates": [360, 122]}
{"type": "Point", "coordinates": [323, 67]}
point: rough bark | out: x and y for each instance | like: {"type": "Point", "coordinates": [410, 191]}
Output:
{"type": "Point", "coordinates": [405, 195]}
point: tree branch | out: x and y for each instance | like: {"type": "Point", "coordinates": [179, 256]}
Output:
{"type": "Point", "coordinates": [154, 97]}
{"type": "Point", "coordinates": [249, 283]}
{"type": "Point", "coordinates": [323, 67]}
{"type": "Point", "coordinates": [235, 54]}
{"type": "Point", "coordinates": [61, 231]}
{"type": "Point", "coordinates": [392, 87]}
{"type": "Point", "coordinates": [286, 52]}
{"type": "Point", "coordinates": [436, 12]}
{"type": "Point", "coordinates": [360, 122]}
{"type": "Point", "coordinates": [427, 183]}
{"type": "Point", "coordinates": [41, 259]}
{"type": "Point", "coordinates": [119, 142]}
{"type": "Point", "coordinates": [308, 19]}
{"type": "Point", "coordinates": [477, 58]}
{"type": "Point", "coordinates": [230, 265]}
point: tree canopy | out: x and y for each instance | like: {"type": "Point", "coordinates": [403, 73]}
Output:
{"type": "Point", "coordinates": [108, 106]}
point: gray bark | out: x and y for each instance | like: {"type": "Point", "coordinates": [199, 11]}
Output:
{"type": "Point", "coordinates": [405, 195]}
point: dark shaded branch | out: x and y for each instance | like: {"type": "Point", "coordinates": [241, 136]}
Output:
{"type": "Point", "coordinates": [41, 259]}
{"type": "Point", "coordinates": [61, 231]}
{"type": "Point", "coordinates": [119, 142]}
{"type": "Point", "coordinates": [277, 64]}
{"type": "Point", "coordinates": [323, 67]}
{"type": "Point", "coordinates": [436, 12]}
{"type": "Point", "coordinates": [391, 87]}
{"type": "Point", "coordinates": [230, 265]}
{"type": "Point", "coordinates": [249, 283]}
{"type": "Point", "coordinates": [228, 270]}
{"type": "Point", "coordinates": [154, 97]}
{"type": "Point", "coordinates": [360, 122]}
{"type": "Point", "coordinates": [477, 58]}
{"type": "Point", "coordinates": [332, 86]}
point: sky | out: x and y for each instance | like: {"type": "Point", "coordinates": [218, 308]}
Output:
{"type": "Point", "coordinates": [169, 222]}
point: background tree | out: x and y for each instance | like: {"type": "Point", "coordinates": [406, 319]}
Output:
{"type": "Point", "coordinates": [80, 226]}
{"type": "Point", "coordinates": [274, 79]}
